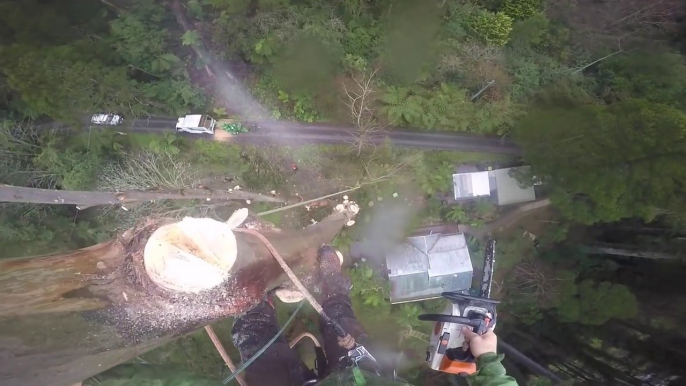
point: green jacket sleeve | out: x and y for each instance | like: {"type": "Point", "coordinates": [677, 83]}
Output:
{"type": "Point", "coordinates": [490, 372]}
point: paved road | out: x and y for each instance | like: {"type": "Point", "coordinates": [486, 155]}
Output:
{"type": "Point", "coordinates": [287, 133]}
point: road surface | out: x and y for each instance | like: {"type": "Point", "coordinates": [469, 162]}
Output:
{"type": "Point", "coordinates": [289, 133]}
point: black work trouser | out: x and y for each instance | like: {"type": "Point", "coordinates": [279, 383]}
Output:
{"type": "Point", "coordinates": [279, 364]}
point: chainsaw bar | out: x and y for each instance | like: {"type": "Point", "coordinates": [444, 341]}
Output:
{"type": "Point", "coordinates": [489, 264]}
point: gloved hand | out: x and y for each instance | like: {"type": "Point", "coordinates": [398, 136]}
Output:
{"type": "Point", "coordinates": [480, 344]}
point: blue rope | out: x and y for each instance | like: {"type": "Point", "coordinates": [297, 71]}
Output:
{"type": "Point", "coordinates": [264, 348]}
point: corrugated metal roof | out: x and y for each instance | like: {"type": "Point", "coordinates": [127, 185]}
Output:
{"type": "Point", "coordinates": [428, 265]}
{"type": "Point", "coordinates": [410, 288]}
{"type": "Point", "coordinates": [466, 185]}
{"type": "Point", "coordinates": [406, 261]}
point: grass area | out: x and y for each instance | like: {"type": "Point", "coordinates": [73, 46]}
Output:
{"type": "Point", "coordinates": [274, 218]}
{"type": "Point", "coordinates": [195, 352]}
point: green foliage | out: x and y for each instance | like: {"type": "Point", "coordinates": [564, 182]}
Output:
{"type": "Point", "coordinates": [409, 43]}
{"type": "Point", "coordinates": [513, 250]}
{"type": "Point", "coordinates": [608, 163]}
{"type": "Point", "coordinates": [165, 63]}
{"type": "Point", "coordinates": [531, 32]}
{"type": "Point", "coordinates": [178, 95]}
{"type": "Point", "coordinates": [308, 63]}
{"type": "Point", "coordinates": [443, 107]}
{"type": "Point", "coordinates": [521, 9]}
{"type": "Point", "coordinates": [265, 51]}
{"type": "Point", "coordinates": [265, 171]}
{"type": "Point", "coordinates": [594, 303]}
{"type": "Point", "coordinates": [362, 41]}
{"type": "Point", "coordinates": [194, 353]}
{"type": "Point", "coordinates": [266, 91]}
{"type": "Point", "coordinates": [343, 241]}
{"type": "Point", "coordinates": [434, 177]}
{"type": "Point", "coordinates": [367, 287]}
{"type": "Point", "coordinates": [149, 375]}
{"type": "Point", "coordinates": [190, 38]}
{"type": "Point", "coordinates": [456, 214]}
{"type": "Point", "coordinates": [532, 71]}
{"type": "Point", "coordinates": [136, 37]}
{"type": "Point", "coordinates": [234, 128]}
{"type": "Point", "coordinates": [304, 109]}
{"type": "Point", "coordinates": [493, 28]}
{"type": "Point", "coordinates": [33, 230]}
{"type": "Point", "coordinates": [355, 63]}
{"type": "Point", "coordinates": [219, 112]}
{"type": "Point", "coordinates": [126, 69]}
{"type": "Point", "coordinates": [195, 8]}
{"type": "Point", "coordinates": [484, 208]}
{"type": "Point", "coordinates": [407, 315]}
{"type": "Point", "coordinates": [168, 143]}
{"type": "Point", "coordinates": [231, 7]}
{"type": "Point", "coordinates": [658, 77]}
{"type": "Point", "coordinates": [302, 106]}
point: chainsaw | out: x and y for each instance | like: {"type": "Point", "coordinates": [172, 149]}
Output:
{"type": "Point", "coordinates": [445, 352]}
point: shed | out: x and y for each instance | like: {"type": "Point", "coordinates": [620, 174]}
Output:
{"type": "Point", "coordinates": [498, 185]}
{"type": "Point", "coordinates": [508, 189]}
{"type": "Point", "coordinates": [471, 185]}
{"type": "Point", "coordinates": [425, 266]}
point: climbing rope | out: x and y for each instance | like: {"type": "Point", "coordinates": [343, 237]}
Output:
{"type": "Point", "coordinates": [345, 340]}
{"type": "Point", "coordinates": [264, 348]}
{"type": "Point", "coordinates": [222, 352]}
{"type": "Point", "coordinates": [304, 335]}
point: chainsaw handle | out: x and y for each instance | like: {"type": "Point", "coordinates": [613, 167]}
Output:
{"type": "Point", "coordinates": [478, 324]}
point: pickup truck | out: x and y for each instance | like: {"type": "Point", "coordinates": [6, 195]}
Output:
{"type": "Point", "coordinates": [196, 124]}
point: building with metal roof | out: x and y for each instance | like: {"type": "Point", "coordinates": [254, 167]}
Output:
{"type": "Point", "coordinates": [425, 266]}
{"type": "Point", "coordinates": [508, 190]}
{"type": "Point", "coordinates": [471, 185]}
{"type": "Point", "coordinates": [499, 185]}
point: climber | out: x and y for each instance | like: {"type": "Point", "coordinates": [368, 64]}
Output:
{"type": "Point", "coordinates": [280, 365]}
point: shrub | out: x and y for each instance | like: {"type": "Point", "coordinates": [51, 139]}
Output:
{"type": "Point", "coordinates": [521, 9]}
{"type": "Point", "coordinates": [656, 76]}
{"type": "Point", "coordinates": [444, 107]}
{"type": "Point", "coordinates": [494, 28]}
{"type": "Point", "coordinates": [531, 32]}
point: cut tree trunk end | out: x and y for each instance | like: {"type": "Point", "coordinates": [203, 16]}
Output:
{"type": "Point", "coordinates": [67, 317]}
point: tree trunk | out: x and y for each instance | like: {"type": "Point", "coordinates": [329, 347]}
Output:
{"type": "Point", "coordinates": [607, 249]}
{"type": "Point", "coordinates": [85, 199]}
{"type": "Point", "coordinates": [67, 317]}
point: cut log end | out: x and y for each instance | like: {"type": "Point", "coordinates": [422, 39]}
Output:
{"type": "Point", "coordinates": [191, 256]}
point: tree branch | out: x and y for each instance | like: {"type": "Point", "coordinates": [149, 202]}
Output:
{"type": "Point", "coordinates": [361, 114]}
{"type": "Point", "coordinates": [85, 199]}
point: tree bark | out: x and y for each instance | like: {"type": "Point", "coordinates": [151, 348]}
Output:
{"type": "Point", "coordinates": [608, 249]}
{"type": "Point", "coordinates": [67, 317]}
{"type": "Point", "coordinates": [85, 199]}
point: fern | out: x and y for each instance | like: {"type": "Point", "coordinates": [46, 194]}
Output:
{"type": "Point", "coordinates": [366, 286]}
{"type": "Point", "coordinates": [445, 107]}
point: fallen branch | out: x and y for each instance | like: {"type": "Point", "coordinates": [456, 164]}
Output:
{"type": "Point", "coordinates": [85, 199]}
{"type": "Point", "coordinates": [619, 45]}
